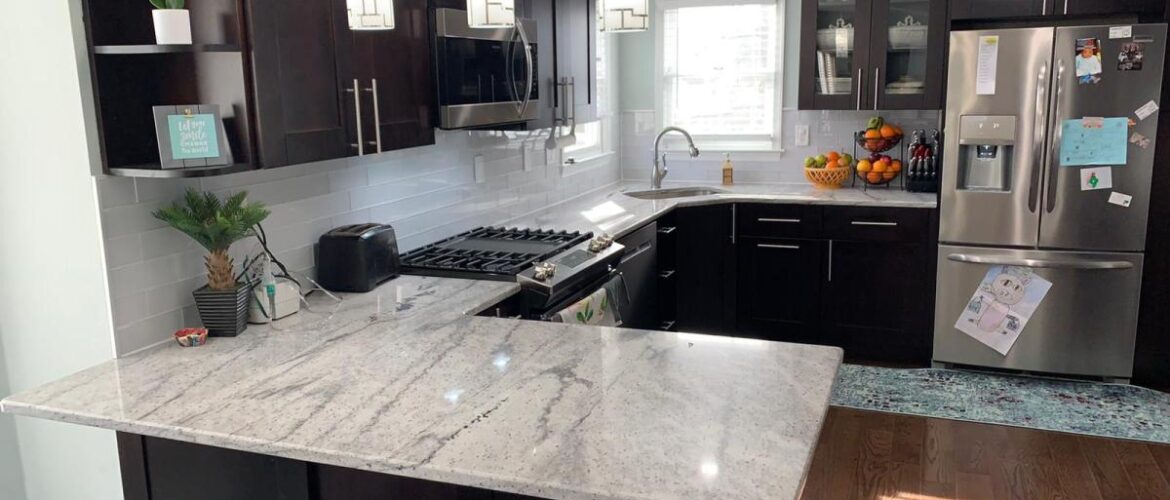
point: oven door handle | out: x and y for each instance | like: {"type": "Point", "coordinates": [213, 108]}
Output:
{"type": "Point", "coordinates": [529, 64]}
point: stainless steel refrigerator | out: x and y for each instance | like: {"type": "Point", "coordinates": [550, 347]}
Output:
{"type": "Point", "coordinates": [1012, 197]}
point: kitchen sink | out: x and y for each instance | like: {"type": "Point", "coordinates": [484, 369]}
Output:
{"type": "Point", "coordinates": [682, 192]}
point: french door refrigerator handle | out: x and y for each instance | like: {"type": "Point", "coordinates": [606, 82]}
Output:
{"type": "Point", "coordinates": [1053, 162]}
{"type": "Point", "coordinates": [1039, 132]}
{"type": "Point", "coordinates": [1008, 260]}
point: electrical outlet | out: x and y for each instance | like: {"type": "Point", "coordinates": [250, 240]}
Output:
{"type": "Point", "coordinates": [480, 175]}
{"type": "Point", "coordinates": [802, 135]}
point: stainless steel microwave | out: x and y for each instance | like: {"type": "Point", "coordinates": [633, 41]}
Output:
{"type": "Point", "coordinates": [485, 77]}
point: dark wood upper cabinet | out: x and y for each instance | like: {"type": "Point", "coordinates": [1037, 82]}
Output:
{"type": "Point", "coordinates": [393, 69]}
{"type": "Point", "coordinates": [978, 10]}
{"type": "Point", "coordinates": [302, 72]}
{"type": "Point", "coordinates": [576, 56]}
{"type": "Point", "coordinates": [566, 41]}
{"type": "Point", "coordinates": [872, 54]}
{"type": "Point", "coordinates": [325, 91]}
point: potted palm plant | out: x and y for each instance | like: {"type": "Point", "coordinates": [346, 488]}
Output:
{"type": "Point", "coordinates": [215, 224]}
{"type": "Point", "coordinates": [172, 23]}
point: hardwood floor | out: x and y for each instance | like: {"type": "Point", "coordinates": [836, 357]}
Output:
{"type": "Point", "coordinates": [872, 455]}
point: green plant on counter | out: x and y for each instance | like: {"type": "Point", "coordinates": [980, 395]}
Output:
{"type": "Point", "coordinates": [215, 224]}
{"type": "Point", "coordinates": [168, 4]}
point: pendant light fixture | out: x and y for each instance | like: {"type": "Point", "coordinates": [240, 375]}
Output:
{"type": "Point", "coordinates": [370, 14]}
{"type": "Point", "coordinates": [491, 13]}
{"type": "Point", "coordinates": [624, 16]}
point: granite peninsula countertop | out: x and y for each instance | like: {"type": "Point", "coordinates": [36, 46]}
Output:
{"type": "Point", "coordinates": [607, 210]}
{"type": "Point", "coordinates": [402, 380]}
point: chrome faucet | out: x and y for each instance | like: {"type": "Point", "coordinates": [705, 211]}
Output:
{"type": "Point", "coordinates": [660, 169]}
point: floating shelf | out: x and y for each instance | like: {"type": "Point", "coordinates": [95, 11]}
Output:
{"type": "Point", "coordinates": [157, 172]}
{"type": "Point", "coordinates": [125, 50]}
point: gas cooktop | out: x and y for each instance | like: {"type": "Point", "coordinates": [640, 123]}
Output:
{"type": "Point", "coordinates": [493, 253]}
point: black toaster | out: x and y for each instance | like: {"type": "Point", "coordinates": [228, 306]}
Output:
{"type": "Point", "coordinates": [357, 258]}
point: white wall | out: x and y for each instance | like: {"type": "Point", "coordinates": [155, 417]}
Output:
{"type": "Point", "coordinates": [11, 472]}
{"type": "Point", "coordinates": [54, 314]}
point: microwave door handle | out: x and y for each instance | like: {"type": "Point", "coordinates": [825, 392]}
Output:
{"type": "Point", "coordinates": [1057, 136]}
{"type": "Point", "coordinates": [528, 76]}
{"type": "Point", "coordinates": [509, 71]}
{"type": "Point", "coordinates": [1039, 132]}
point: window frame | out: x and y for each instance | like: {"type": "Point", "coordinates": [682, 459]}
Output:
{"type": "Point", "coordinates": [766, 146]}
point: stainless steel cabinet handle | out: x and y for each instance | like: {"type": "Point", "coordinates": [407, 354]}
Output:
{"type": "Point", "coordinates": [732, 224]}
{"type": "Point", "coordinates": [1039, 132]}
{"type": "Point", "coordinates": [876, 85]}
{"type": "Point", "coordinates": [830, 260]}
{"type": "Point", "coordinates": [1057, 138]}
{"type": "Point", "coordinates": [768, 219]}
{"type": "Point", "coordinates": [1008, 260]}
{"type": "Point", "coordinates": [778, 247]}
{"type": "Point", "coordinates": [373, 89]}
{"type": "Point", "coordinates": [666, 229]}
{"type": "Point", "coordinates": [868, 223]}
{"type": "Point", "coordinates": [1066, 6]}
{"type": "Point", "coordinates": [860, 85]}
{"type": "Point", "coordinates": [357, 112]}
{"type": "Point", "coordinates": [666, 274]}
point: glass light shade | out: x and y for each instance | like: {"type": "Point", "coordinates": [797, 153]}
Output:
{"type": "Point", "coordinates": [370, 14]}
{"type": "Point", "coordinates": [491, 13]}
{"type": "Point", "coordinates": [619, 16]}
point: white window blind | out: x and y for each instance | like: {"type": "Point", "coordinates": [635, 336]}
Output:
{"type": "Point", "coordinates": [721, 71]}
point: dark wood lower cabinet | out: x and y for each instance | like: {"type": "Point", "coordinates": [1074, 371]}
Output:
{"type": "Point", "coordinates": [877, 302]}
{"type": "Point", "coordinates": [161, 469]}
{"type": "Point", "coordinates": [705, 264]}
{"type": "Point", "coordinates": [779, 289]}
{"type": "Point", "coordinates": [861, 278]}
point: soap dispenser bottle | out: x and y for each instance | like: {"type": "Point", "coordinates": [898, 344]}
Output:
{"type": "Point", "coordinates": [728, 170]}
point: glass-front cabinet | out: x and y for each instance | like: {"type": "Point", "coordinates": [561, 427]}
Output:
{"type": "Point", "coordinates": [872, 54]}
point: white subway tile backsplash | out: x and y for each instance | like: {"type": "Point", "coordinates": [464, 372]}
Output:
{"type": "Point", "coordinates": [426, 193]}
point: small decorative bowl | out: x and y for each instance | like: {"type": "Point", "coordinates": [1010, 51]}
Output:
{"type": "Point", "coordinates": [827, 178]}
{"type": "Point", "coordinates": [191, 337]}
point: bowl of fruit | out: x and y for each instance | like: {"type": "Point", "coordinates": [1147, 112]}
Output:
{"type": "Point", "coordinates": [879, 136]}
{"type": "Point", "coordinates": [878, 169]}
{"type": "Point", "coordinates": [829, 170]}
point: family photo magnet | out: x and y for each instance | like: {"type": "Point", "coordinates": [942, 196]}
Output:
{"type": "Point", "coordinates": [1088, 60]}
{"type": "Point", "coordinates": [1131, 56]}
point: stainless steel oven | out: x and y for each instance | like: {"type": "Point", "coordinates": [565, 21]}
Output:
{"type": "Point", "coordinates": [485, 77]}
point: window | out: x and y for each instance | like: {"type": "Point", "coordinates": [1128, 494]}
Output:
{"type": "Point", "coordinates": [720, 71]}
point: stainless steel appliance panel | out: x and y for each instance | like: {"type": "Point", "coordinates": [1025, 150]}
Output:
{"type": "Point", "coordinates": [1007, 217]}
{"type": "Point", "coordinates": [1084, 220]}
{"type": "Point", "coordinates": [1086, 325]}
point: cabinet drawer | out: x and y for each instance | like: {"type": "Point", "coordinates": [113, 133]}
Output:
{"type": "Point", "coordinates": [778, 221]}
{"type": "Point", "coordinates": [877, 224]}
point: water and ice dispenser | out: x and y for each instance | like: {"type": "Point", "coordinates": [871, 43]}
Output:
{"type": "Point", "coordinates": [986, 148]}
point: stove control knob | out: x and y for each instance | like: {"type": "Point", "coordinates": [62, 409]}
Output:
{"type": "Point", "coordinates": [600, 243]}
{"type": "Point", "coordinates": [544, 271]}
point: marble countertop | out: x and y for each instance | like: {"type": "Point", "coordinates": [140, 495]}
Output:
{"type": "Point", "coordinates": [401, 381]}
{"type": "Point", "coordinates": [607, 210]}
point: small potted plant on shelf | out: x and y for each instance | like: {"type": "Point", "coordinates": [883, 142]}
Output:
{"type": "Point", "coordinates": [216, 224]}
{"type": "Point", "coordinates": [172, 23]}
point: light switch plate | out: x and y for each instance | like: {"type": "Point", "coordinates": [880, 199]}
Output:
{"type": "Point", "coordinates": [480, 175]}
{"type": "Point", "coordinates": [802, 135]}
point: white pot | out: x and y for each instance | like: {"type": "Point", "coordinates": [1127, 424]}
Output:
{"type": "Point", "coordinates": [172, 26]}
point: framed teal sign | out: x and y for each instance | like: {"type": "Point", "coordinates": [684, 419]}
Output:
{"type": "Point", "coordinates": [191, 136]}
